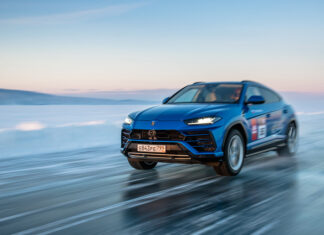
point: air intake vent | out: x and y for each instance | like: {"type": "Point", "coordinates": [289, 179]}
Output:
{"type": "Point", "coordinates": [202, 141]}
{"type": "Point", "coordinates": [125, 134]}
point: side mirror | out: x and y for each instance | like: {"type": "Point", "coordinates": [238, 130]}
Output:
{"type": "Point", "coordinates": [165, 100]}
{"type": "Point", "coordinates": [255, 99]}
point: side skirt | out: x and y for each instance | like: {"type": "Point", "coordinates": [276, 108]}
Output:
{"type": "Point", "coordinates": [266, 148]}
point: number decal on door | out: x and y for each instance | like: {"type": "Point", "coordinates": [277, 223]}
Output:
{"type": "Point", "coordinates": [258, 128]}
{"type": "Point", "coordinates": [262, 130]}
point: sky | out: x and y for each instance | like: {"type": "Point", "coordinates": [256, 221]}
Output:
{"type": "Point", "coordinates": [87, 46]}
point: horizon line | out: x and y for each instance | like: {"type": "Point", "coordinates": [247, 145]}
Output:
{"type": "Point", "coordinates": [116, 91]}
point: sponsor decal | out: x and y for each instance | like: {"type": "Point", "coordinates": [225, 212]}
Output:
{"type": "Point", "coordinates": [256, 111]}
{"type": "Point", "coordinates": [258, 128]}
{"type": "Point", "coordinates": [262, 128]}
{"type": "Point", "coordinates": [254, 129]}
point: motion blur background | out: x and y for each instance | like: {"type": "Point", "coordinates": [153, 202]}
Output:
{"type": "Point", "coordinates": [70, 71]}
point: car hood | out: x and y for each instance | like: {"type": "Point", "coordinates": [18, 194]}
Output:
{"type": "Point", "coordinates": [174, 112]}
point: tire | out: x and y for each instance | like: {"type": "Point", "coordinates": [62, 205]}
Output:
{"type": "Point", "coordinates": [233, 160]}
{"type": "Point", "coordinates": [290, 148]}
{"type": "Point", "coordinates": [141, 165]}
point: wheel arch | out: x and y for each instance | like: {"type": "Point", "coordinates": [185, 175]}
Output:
{"type": "Point", "coordinates": [238, 125]}
{"type": "Point", "coordinates": [294, 121]}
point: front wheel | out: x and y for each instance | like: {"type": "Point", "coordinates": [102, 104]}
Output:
{"type": "Point", "coordinates": [234, 153]}
{"type": "Point", "coordinates": [290, 148]}
{"type": "Point", "coordinates": [141, 165]}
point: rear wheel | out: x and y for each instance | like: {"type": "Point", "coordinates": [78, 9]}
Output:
{"type": "Point", "coordinates": [234, 153]}
{"type": "Point", "coordinates": [141, 165]}
{"type": "Point", "coordinates": [290, 148]}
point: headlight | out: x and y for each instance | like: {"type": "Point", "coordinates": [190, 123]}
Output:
{"type": "Point", "coordinates": [128, 121]}
{"type": "Point", "coordinates": [202, 121]}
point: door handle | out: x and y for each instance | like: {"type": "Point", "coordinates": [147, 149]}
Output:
{"type": "Point", "coordinates": [285, 111]}
{"type": "Point", "coordinates": [268, 115]}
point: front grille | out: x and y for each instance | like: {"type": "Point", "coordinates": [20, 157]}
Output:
{"type": "Point", "coordinates": [157, 135]}
{"type": "Point", "coordinates": [125, 134]}
{"type": "Point", "coordinates": [202, 141]}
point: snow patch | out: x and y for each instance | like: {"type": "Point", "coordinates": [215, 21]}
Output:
{"type": "Point", "coordinates": [30, 126]}
{"type": "Point", "coordinates": [310, 113]}
{"type": "Point", "coordinates": [89, 123]}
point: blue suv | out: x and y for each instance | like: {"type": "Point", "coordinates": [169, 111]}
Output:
{"type": "Point", "coordinates": [217, 124]}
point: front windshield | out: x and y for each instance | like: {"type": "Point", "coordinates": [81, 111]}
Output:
{"type": "Point", "coordinates": [208, 93]}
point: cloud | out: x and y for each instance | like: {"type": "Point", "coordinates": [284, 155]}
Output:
{"type": "Point", "coordinates": [77, 15]}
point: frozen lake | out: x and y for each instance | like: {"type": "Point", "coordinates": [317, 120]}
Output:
{"type": "Point", "coordinates": [61, 172]}
{"type": "Point", "coordinates": [52, 128]}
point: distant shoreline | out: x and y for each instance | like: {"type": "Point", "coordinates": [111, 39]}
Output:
{"type": "Point", "coordinates": [20, 97]}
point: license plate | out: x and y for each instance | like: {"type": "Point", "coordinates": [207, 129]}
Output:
{"type": "Point", "coordinates": [151, 148]}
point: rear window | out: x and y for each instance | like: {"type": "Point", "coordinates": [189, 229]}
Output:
{"type": "Point", "coordinates": [269, 96]}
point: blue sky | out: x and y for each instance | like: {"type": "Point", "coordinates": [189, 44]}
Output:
{"type": "Point", "coordinates": [59, 46]}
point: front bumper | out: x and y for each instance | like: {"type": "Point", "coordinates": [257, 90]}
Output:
{"type": "Point", "coordinates": [177, 151]}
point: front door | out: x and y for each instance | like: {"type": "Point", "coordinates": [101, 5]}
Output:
{"type": "Point", "coordinates": [259, 118]}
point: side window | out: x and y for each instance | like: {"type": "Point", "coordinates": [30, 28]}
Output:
{"type": "Point", "coordinates": [251, 91]}
{"type": "Point", "coordinates": [269, 96]}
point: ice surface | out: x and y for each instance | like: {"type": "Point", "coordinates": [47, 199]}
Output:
{"type": "Point", "coordinates": [28, 130]}
{"type": "Point", "coordinates": [83, 190]}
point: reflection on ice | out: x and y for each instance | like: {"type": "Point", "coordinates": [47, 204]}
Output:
{"type": "Point", "coordinates": [205, 203]}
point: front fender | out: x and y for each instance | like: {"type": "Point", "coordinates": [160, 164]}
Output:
{"type": "Point", "coordinates": [241, 124]}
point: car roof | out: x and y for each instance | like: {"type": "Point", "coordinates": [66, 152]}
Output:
{"type": "Point", "coordinates": [244, 82]}
{"type": "Point", "coordinates": [247, 82]}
